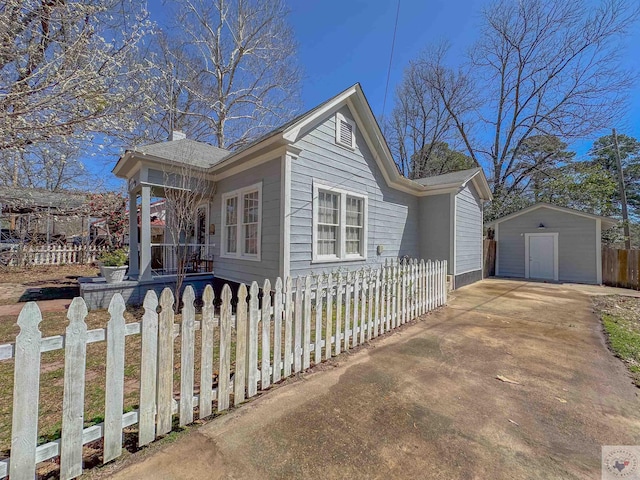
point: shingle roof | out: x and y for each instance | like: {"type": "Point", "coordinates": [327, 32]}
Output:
{"type": "Point", "coordinates": [449, 178]}
{"type": "Point", "coordinates": [185, 151]}
{"type": "Point", "coordinates": [30, 199]}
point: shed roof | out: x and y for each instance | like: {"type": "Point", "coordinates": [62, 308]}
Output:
{"type": "Point", "coordinates": [607, 222]}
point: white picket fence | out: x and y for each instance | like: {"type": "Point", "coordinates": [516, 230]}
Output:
{"type": "Point", "coordinates": [301, 323]}
{"type": "Point", "coordinates": [51, 254]}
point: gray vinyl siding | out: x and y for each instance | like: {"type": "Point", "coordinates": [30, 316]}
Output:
{"type": "Point", "coordinates": [435, 228]}
{"type": "Point", "coordinates": [237, 269]}
{"type": "Point", "coordinates": [468, 231]}
{"type": "Point", "coordinates": [576, 244]}
{"type": "Point", "coordinates": [392, 215]}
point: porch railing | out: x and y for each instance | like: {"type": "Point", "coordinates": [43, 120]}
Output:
{"type": "Point", "coordinates": [166, 258]}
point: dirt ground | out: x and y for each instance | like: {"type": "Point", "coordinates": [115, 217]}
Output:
{"type": "Point", "coordinates": [42, 282]}
{"type": "Point", "coordinates": [426, 403]}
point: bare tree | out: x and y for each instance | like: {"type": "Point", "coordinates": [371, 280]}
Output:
{"type": "Point", "coordinates": [419, 122]}
{"type": "Point", "coordinates": [540, 67]}
{"type": "Point", "coordinates": [68, 68]}
{"type": "Point", "coordinates": [187, 187]}
{"type": "Point", "coordinates": [228, 71]}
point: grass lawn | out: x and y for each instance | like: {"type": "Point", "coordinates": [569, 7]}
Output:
{"type": "Point", "coordinates": [621, 321]}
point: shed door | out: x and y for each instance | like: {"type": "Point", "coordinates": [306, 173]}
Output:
{"type": "Point", "coordinates": [541, 257]}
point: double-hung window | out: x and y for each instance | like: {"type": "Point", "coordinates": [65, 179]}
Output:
{"type": "Point", "coordinates": [340, 225]}
{"type": "Point", "coordinates": [242, 223]}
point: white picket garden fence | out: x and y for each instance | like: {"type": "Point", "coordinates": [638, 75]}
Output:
{"type": "Point", "coordinates": [301, 323]}
{"type": "Point", "coordinates": [51, 254]}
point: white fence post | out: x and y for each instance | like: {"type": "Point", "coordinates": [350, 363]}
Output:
{"type": "Point", "coordinates": [277, 332]}
{"type": "Point", "coordinates": [252, 341]}
{"type": "Point", "coordinates": [338, 334]}
{"type": "Point", "coordinates": [26, 388]}
{"type": "Point", "coordinates": [265, 368]}
{"type": "Point", "coordinates": [75, 360]}
{"type": "Point", "coordinates": [187, 354]}
{"type": "Point", "coordinates": [148, 365]}
{"type": "Point", "coordinates": [165, 363]}
{"type": "Point", "coordinates": [317, 350]}
{"type": "Point", "coordinates": [288, 328]}
{"type": "Point", "coordinates": [328, 329]}
{"type": "Point", "coordinates": [240, 377]}
{"type": "Point", "coordinates": [207, 327]}
{"type": "Point", "coordinates": [225, 349]}
{"type": "Point", "coordinates": [114, 388]}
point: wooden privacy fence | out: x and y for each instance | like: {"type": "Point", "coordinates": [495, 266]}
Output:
{"type": "Point", "coordinates": [50, 254]}
{"type": "Point", "coordinates": [621, 268]}
{"type": "Point", "coordinates": [270, 337]}
{"type": "Point", "coordinates": [489, 256]}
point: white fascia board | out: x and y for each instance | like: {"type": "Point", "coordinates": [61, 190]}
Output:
{"type": "Point", "coordinates": [480, 183]}
{"type": "Point", "coordinates": [151, 161]}
{"type": "Point", "coordinates": [533, 208]}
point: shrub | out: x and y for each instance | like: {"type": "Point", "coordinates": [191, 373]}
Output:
{"type": "Point", "coordinates": [115, 258]}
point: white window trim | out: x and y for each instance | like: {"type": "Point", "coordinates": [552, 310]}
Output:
{"type": "Point", "coordinates": [239, 193]}
{"type": "Point", "coordinates": [341, 118]}
{"type": "Point", "coordinates": [342, 256]}
{"type": "Point", "coordinates": [527, 236]}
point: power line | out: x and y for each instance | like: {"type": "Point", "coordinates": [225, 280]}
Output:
{"type": "Point", "coordinates": [393, 43]}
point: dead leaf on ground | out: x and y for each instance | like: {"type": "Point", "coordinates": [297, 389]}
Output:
{"type": "Point", "coordinates": [507, 380]}
{"type": "Point", "coordinates": [561, 400]}
{"type": "Point", "coordinates": [515, 423]}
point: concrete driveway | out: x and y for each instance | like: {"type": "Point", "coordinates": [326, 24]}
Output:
{"type": "Point", "coordinates": [425, 402]}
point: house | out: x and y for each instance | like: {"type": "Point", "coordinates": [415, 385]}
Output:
{"type": "Point", "coordinates": [319, 193]}
{"type": "Point", "coordinates": [548, 242]}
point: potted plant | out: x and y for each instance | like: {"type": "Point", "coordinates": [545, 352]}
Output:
{"type": "Point", "coordinates": [113, 265]}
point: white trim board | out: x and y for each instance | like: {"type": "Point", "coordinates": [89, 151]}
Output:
{"type": "Point", "coordinates": [285, 215]}
{"type": "Point", "coordinates": [527, 236]}
{"type": "Point", "coordinates": [537, 206]}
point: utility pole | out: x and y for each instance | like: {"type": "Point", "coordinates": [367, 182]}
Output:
{"type": "Point", "coordinates": [623, 194]}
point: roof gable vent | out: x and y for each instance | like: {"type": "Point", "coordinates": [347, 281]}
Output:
{"type": "Point", "coordinates": [345, 131]}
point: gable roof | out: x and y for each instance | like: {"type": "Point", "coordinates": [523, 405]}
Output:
{"type": "Point", "coordinates": [606, 221]}
{"type": "Point", "coordinates": [367, 123]}
{"type": "Point", "coordinates": [216, 160]}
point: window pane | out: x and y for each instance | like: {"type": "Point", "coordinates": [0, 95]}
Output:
{"type": "Point", "coordinates": [354, 211]}
{"type": "Point", "coordinates": [250, 211]}
{"type": "Point", "coordinates": [251, 239]}
{"type": "Point", "coordinates": [328, 211]}
{"type": "Point", "coordinates": [353, 241]}
{"type": "Point", "coordinates": [231, 239]}
{"type": "Point", "coordinates": [327, 240]}
{"type": "Point", "coordinates": [232, 211]}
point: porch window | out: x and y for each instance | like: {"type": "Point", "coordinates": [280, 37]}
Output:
{"type": "Point", "coordinates": [242, 223]}
{"type": "Point", "coordinates": [339, 225]}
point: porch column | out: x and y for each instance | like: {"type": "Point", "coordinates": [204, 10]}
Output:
{"type": "Point", "coordinates": [145, 233]}
{"type": "Point", "coordinates": [134, 261]}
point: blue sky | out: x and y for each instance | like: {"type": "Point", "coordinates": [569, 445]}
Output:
{"type": "Point", "coordinates": [341, 42]}
{"type": "Point", "coordinates": [346, 41]}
